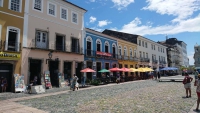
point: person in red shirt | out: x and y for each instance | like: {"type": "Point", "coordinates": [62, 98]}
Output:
{"type": "Point", "coordinates": [187, 84]}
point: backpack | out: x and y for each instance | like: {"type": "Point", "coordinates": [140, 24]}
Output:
{"type": "Point", "coordinates": [186, 80]}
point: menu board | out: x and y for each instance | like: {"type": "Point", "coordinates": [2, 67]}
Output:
{"type": "Point", "coordinates": [19, 83]}
{"type": "Point", "coordinates": [47, 79]}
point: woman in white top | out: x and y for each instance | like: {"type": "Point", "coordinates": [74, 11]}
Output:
{"type": "Point", "coordinates": [197, 83]}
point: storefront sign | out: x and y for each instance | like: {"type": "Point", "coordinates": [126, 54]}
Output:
{"type": "Point", "coordinates": [103, 54]}
{"type": "Point", "coordinates": [9, 56]}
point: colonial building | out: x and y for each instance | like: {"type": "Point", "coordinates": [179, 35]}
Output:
{"type": "Point", "coordinates": [11, 36]}
{"type": "Point", "coordinates": [148, 51]}
{"type": "Point", "coordinates": [100, 52]}
{"type": "Point", "coordinates": [182, 48]}
{"type": "Point", "coordinates": [197, 56]}
{"type": "Point", "coordinates": [53, 39]}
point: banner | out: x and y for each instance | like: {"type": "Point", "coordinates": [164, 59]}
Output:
{"type": "Point", "coordinates": [103, 54]}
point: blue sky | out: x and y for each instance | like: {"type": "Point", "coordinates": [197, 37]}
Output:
{"type": "Point", "coordinates": [152, 19]}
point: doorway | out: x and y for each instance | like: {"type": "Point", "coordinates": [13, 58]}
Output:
{"type": "Point", "coordinates": [78, 71]}
{"type": "Point", "coordinates": [67, 70]}
{"type": "Point", "coordinates": [107, 66]}
{"type": "Point", "coordinates": [6, 71]}
{"type": "Point", "coordinates": [35, 70]}
{"type": "Point", "coordinates": [89, 48]}
{"type": "Point", "coordinates": [98, 69]}
{"type": "Point", "coordinates": [89, 75]}
{"type": "Point", "coordinates": [53, 68]}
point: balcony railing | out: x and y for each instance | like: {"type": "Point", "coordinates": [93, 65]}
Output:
{"type": "Point", "coordinates": [133, 58]}
{"type": "Point", "coordinates": [155, 61]}
{"type": "Point", "coordinates": [126, 58]}
{"type": "Point", "coordinates": [60, 47]}
{"type": "Point", "coordinates": [146, 59]}
{"type": "Point", "coordinates": [90, 53]}
{"type": "Point", "coordinates": [12, 46]}
{"type": "Point", "coordinates": [77, 50]}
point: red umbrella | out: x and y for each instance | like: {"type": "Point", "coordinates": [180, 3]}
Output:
{"type": "Point", "coordinates": [125, 69]}
{"type": "Point", "coordinates": [115, 69]}
{"type": "Point", "coordinates": [87, 70]}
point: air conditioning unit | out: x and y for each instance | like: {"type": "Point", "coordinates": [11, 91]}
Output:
{"type": "Point", "coordinates": [94, 63]}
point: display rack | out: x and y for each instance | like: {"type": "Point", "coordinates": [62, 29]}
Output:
{"type": "Point", "coordinates": [47, 80]}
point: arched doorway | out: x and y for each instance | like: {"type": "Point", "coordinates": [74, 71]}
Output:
{"type": "Point", "coordinates": [6, 71]}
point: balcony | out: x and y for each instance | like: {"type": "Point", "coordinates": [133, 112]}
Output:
{"type": "Point", "coordinates": [126, 58]}
{"type": "Point", "coordinates": [90, 53]}
{"type": "Point", "coordinates": [77, 50]}
{"type": "Point", "coordinates": [155, 61]}
{"type": "Point", "coordinates": [120, 57]}
{"type": "Point", "coordinates": [12, 46]}
{"type": "Point", "coordinates": [133, 59]}
{"type": "Point", "coordinates": [146, 59]}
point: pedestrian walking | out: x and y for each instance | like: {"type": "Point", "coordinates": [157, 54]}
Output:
{"type": "Point", "coordinates": [196, 73]}
{"type": "Point", "coordinates": [83, 80]}
{"type": "Point", "coordinates": [74, 82]}
{"type": "Point", "coordinates": [158, 75]}
{"type": "Point", "coordinates": [118, 78]}
{"type": "Point", "coordinates": [197, 83]}
{"type": "Point", "coordinates": [187, 84]}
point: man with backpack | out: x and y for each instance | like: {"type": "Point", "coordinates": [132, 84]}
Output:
{"type": "Point", "coordinates": [187, 84]}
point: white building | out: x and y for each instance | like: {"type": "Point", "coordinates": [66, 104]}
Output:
{"type": "Point", "coordinates": [197, 56]}
{"type": "Point", "coordinates": [152, 50]}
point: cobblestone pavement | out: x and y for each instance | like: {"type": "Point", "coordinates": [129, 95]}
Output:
{"type": "Point", "coordinates": [142, 96]}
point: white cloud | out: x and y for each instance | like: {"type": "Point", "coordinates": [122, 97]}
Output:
{"type": "Point", "coordinates": [182, 9]}
{"type": "Point", "coordinates": [120, 4]}
{"type": "Point", "coordinates": [189, 25]}
{"type": "Point", "coordinates": [191, 59]}
{"type": "Point", "coordinates": [92, 19]}
{"type": "Point", "coordinates": [104, 23]}
{"type": "Point", "coordinates": [97, 29]}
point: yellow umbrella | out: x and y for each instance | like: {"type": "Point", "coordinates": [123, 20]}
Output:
{"type": "Point", "coordinates": [148, 69]}
{"type": "Point", "coordinates": [133, 70]}
{"type": "Point", "coordinates": [142, 70]}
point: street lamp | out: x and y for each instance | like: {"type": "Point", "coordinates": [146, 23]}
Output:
{"type": "Point", "coordinates": [50, 56]}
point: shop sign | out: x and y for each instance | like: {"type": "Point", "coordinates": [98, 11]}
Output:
{"type": "Point", "coordinates": [9, 56]}
{"type": "Point", "coordinates": [103, 53]}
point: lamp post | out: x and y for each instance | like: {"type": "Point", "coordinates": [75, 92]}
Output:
{"type": "Point", "coordinates": [50, 56]}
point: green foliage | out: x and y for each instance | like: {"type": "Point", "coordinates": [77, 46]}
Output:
{"type": "Point", "coordinates": [95, 82]}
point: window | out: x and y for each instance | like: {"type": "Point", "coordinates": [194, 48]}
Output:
{"type": "Point", "coordinates": [12, 39]}
{"type": "Point", "coordinates": [125, 51]}
{"type": "Point", "coordinates": [163, 50]}
{"type": "Point", "coordinates": [131, 52]}
{"type": "Point", "coordinates": [89, 45]}
{"type": "Point", "coordinates": [140, 54]}
{"type": "Point", "coordinates": [139, 42]}
{"type": "Point", "coordinates": [146, 44]}
{"type": "Point", "coordinates": [120, 50]}
{"type": "Point", "coordinates": [63, 13]}
{"type": "Point", "coordinates": [106, 47]}
{"type": "Point", "coordinates": [52, 9]}
{"type": "Point", "coordinates": [15, 5]}
{"type": "Point", "coordinates": [135, 53]}
{"type": "Point", "coordinates": [146, 55]}
{"type": "Point", "coordinates": [75, 47]}
{"type": "Point", "coordinates": [74, 17]}
{"type": "Point", "coordinates": [41, 39]}
{"type": "Point", "coordinates": [114, 50]}
{"type": "Point", "coordinates": [159, 49]}
{"type": "Point", "coordinates": [142, 43]}
{"type": "Point", "coordinates": [37, 5]}
{"type": "Point", "coordinates": [159, 58]}
{"type": "Point", "coordinates": [98, 45]}
{"type": "Point", "coordinates": [152, 46]}
{"type": "Point", "coordinates": [1, 3]}
{"type": "Point", "coordinates": [143, 54]}
{"type": "Point", "coordinates": [60, 43]}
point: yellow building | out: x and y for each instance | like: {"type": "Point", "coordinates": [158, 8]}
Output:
{"type": "Point", "coordinates": [127, 55]}
{"type": "Point", "coordinates": [11, 36]}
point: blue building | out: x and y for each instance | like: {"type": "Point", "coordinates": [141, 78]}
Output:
{"type": "Point", "coordinates": [100, 52]}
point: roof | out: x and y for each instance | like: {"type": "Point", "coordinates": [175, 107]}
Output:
{"type": "Point", "coordinates": [74, 5]}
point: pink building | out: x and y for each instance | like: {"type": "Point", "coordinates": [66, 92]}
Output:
{"type": "Point", "coordinates": [56, 27]}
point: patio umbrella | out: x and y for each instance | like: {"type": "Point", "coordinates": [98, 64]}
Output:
{"type": "Point", "coordinates": [87, 70]}
{"type": "Point", "coordinates": [115, 69]}
{"type": "Point", "coordinates": [142, 70]}
{"type": "Point", "coordinates": [133, 70]}
{"type": "Point", "coordinates": [125, 69]}
{"type": "Point", "coordinates": [104, 70]}
{"type": "Point", "coordinates": [148, 69]}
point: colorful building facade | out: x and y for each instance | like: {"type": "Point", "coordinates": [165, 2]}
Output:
{"type": "Point", "coordinates": [127, 57]}
{"type": "Point", "coordinates": [11, 36]}
{"type": "Point", "coordinates": [100, 52]}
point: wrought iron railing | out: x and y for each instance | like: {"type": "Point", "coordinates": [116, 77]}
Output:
{"type": "Point", "coordinates": [12, 46]}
